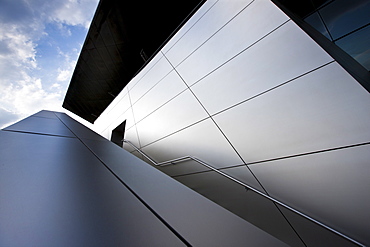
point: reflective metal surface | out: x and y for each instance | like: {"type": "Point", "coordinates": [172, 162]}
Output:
{"type": "Point", "coordinates": [253, 23]}
{"type": "Point", "coordinates": [244, 203]}
{"type": "Point", "coordinates": [221, 13]}
{"type": "Point", "coordinates": [156, 73]}
{"type": "Point", "coordinates": [189, 24]}
{"type": "Point", "coordinates": [321, 110]}
{"type": "Point", "coordinates": [202, 140]}
{"type": "Point", "coordinates": [87, 191]}
{"type": "Point", "coordinates": [48, 126]}
{"type": "Point", "coordinates": [312, 234]}
{"type": "Point", "coordinates": [179, 205]}
{"type": "Point", "coordinates": [184, 111]}
{"type": "Point", "coordinates": [57, 193]}
{"type": "Point", "coordinates": [259, 68]}
{"type": "Point", "coordinates": [243, 174]}
{"type": "Point", "coordinates": [283, 96]}
{"type": "Point", "coordinates": [77, 128]}
{"type": "Point", "coordinates": [131, 134]}
{"type": "Point", "coordinates": [159, 94]}
{"type": "Point", "coordinates": [331, 186]}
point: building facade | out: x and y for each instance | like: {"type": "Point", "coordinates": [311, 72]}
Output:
{"type": "Point", "coordinates": [263, 94]}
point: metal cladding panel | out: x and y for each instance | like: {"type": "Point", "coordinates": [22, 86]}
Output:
{"type": "Point", "coordinates": [200, 221]}
{"type": "Point", "coordinates": [77, 128]}
{"type": "Point", "coordinates": [330, 186]}
{"type": "Point", "coordinates": [203, 140]}
{"type": "Point", "coordinates": [259, 89]}
{"type": "Point", "coordinates": [45, 126]}
{"type": "Point", "coordinates": [122, 38]}
{"type": "Point", "coordinates": [247, 204]}
{"type": "Point", "coordinates": [313, 234]}
{"type": "Point", "coordinates": [222, 12]}
{"type": "Point", "coordinates": [151, 78]}
{"type": "Point", "coordinates": [162, 92]}
{"type": "Point", "coordinates": [55, 192]}
{"type": "Point", "coordinates": [281, 56]}
{"type": "Point", "coordinates": [86, 191]}
{"type": "Point", "coordinates": [252, 24]}
{"type": "Point", "coordinates": [188, 25]}
{"type": "Point", "coordinates": [324, 109]}
{"type": "Point", "coordinates": [184, 111]}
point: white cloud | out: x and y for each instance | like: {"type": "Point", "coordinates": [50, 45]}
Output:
{"type": "Point", "coordinates": [64, 75]}
{"type": "Point", "coordinates": [74, 12]}
{"type": "Point", "coordinates": [22, 24]}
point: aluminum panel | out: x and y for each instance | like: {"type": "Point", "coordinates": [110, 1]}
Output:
{"type": "Point", "coordinates": [151, 78]}
{"type": "Point", "coordinates": [182, 168]}
{"type": "Point", "coordinates": [220, 14]}
{"type": "Point", "coordinates": [112, 105]}
{"type": "Point", "coordinates": [274, 60]}
{"type": "Point", "coordinates": [77, 128]}
{"type": "Point", "coordinates": [131, 134]}
{"type": "Point", "coordinates": [331, 187]}
{"type": "Point", "coordinates": [189, 213]}
{"type": "Point", "coordinates": [257, 20]}
{"type": "Point", "coordinates": [314, 235]}
{"type": "Point", "coordinates": [118, 107]}
{"type": "Point", "coordinates": [161, 93]}
{"type": "Point", "coordinates": [179, 113]}
{"type": "Point", "coordinates": [202, 140]}
{"type": "Point", "coordinates": [57, 193]}
{"type": "Point", "coordinates": [324, 109]}
{"type": "Point", "coordinates": [44, 113]}
{"type": "Point", "coordinates": [245, 203]}
{"type": "Point", "coordinates": [119, 118]}
{"type": "Point", "coordinates": [243, 174]}
{"type": "Point", "coordinates": [144, 71]}
{"type": "Point", "coordinates": [38, 125]}
{"type": "Point", "coordinates": [189, 24]}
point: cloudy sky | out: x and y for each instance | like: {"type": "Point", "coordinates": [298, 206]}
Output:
{"type": "Point", "coordinates": [40, 41]}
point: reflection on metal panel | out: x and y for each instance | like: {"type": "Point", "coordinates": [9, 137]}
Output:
{"type": "Point", "coordinates": [314, 235]}
{"type": "Point", "coordinates": [220, 14]}
{"type": "Point", "coordinates": [260, 68]}
{"type": "Point", "coordinates": [183, 110]}
{"type": "Point", "coordinates": [57, 193]}
{"type": "Point", "coordinates": [330, 186]}
{"type": "Point", "coordinates": [243, 174]}
{"type": "Point", "coordinates": [189, 24]}
{"type": "Point", "coordinates": [160, 94]}
{"type": "Point", "coordinates": [187, 212]}
{"type": "Point", "coordinates": [252, 24]}
{"type": "Point", "coordinates": [48, 126]}
{"type": "Point", "coordinates": [321, 110]}
{"type": "Point", "coordinates": [159, 70]}
{"type": "Point", "coordinates": [202, 140]}
{"type": "Point", "coordinates": [244, 203]}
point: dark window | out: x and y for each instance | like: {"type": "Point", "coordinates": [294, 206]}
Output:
{"type": "Point", "coordinates": [118, 134]}
{"type": "Point", "coordinates": [345, 24]}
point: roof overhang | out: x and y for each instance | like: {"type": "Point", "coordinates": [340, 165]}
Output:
{"type": "Point", "coordinates": [122, 38]}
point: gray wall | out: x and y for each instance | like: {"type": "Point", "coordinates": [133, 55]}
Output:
{"type": "Point", "coordinates": [243, 88]}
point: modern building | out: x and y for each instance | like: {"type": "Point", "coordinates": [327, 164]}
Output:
{"type": "Point", "coordinates": [261, 106]}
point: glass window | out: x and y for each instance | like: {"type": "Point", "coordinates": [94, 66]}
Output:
{"type": "Point", "coordinates": [315, 21]}
{"type": "Point", "coordinates": [344, 22]}
{"type": "Point", "coordinates": [344, 16]}
{"type": "Point", "coordinates": [357, 45]}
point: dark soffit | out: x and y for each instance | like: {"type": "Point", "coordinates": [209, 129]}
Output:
{"type": "Point", "coordinates": [120, 35]}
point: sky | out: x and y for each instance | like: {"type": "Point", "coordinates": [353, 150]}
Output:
{"type": "Point", "coordinates": [40, 41]}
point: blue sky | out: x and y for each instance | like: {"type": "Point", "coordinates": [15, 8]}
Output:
{"type": "Point", "coordinates": [40, 43]}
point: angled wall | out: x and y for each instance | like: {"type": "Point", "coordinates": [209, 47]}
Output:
{"type": "Point", "coordinates": [245, 89]}
{"type": "Point", "coordinates": [63, 185]}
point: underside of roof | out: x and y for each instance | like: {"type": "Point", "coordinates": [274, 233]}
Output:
{"type": "Point", "coordinates": [122, 38]}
